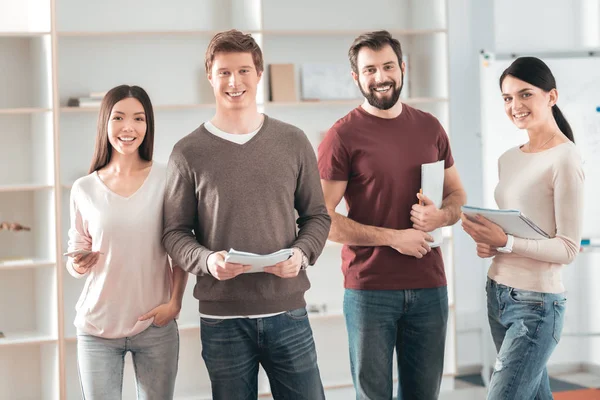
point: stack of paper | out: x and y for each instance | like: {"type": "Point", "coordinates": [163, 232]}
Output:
{"type": "Point", "coordinates": [512, 222]}
{"type": "Point", "coordinates": [257, 261]}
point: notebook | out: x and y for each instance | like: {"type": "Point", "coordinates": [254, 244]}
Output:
{"type": "Point", "coordinates": [512, 222]}
{"type": "Point", "coordinates": [432, 183]}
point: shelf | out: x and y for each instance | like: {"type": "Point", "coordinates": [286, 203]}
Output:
{"type": "Point", "coordinates": [352, 102]}
{"type": "Point", "coordinates": [14, 111]}
{"type": "Point", "coordinates": [26, 338]}
{"type": "Point", "coordinates": [349, 32]}
{"type": "Point", "coordinates": [24, 188]}
{"type": "Point", "coordinates": [166, 107]}
{"type": "Point", "coordinates": [141, 33]}
{"type": "Point", "coordinates": [324, 32]}
{"type": "Point", "coordinates": [23, 34]}
{"type": "Point", "coordinates": [355, 102]}
{"type": "Point", "coordinates": [26, 264]}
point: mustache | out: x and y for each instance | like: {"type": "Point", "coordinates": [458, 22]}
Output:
{"type": "Point", "coordinates": [380, 85]}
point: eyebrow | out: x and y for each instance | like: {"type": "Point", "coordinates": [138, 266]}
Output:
{"type": "Point", "coordinates": [520, 91]}
{"type": "Point", "coordinates": [120, 112]}
{"type": "Point", "coordinates": [386, 63]}
{"type": "Point", "coordinates": [243, 66]}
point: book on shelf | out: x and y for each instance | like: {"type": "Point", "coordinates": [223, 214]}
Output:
{"type": "Point", "coordinates": [282, 83]}
{"type": "Point", "coordinates": [93, 100]}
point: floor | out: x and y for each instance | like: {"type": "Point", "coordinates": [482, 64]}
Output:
{"type": "Point", "coordinates": [574, 386]}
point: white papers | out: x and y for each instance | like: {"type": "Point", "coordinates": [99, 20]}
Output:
{"type": "Point", "coordinates": [512, 222]}
{"type": "Point", "coordinates": [432, 183]}
{"type": "Point", "coordinates": [79, 252]}
{"type": "Point", "coordinates": [257, 261]}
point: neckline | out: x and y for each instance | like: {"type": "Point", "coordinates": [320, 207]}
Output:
{"type": "Point", "coordinates": [139, 189]}
{"type": "Point", "coordinates": [248, 143]}
{"type": "Point", "coordinates": [402, 114]}
{"type": "Point", "coordinates": [520, 150]}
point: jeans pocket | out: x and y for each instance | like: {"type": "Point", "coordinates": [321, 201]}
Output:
{"type": "Point", "coordinates": [527, 297]}
{"type": "Point", "coordinates": [211, 321]}
{"type": "Point", "coordinates": [298, 314]}
{"type": "Point", "coordinates": [559, 317]}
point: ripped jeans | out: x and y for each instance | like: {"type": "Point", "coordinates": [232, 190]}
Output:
{"type": "Point", "coordinates": [526, 327]}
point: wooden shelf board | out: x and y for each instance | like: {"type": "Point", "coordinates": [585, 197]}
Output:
{"type": "Point", "coordinates": [24, 188]}
{"type": "Point", "coordinates": [266, 32]}
{"type": "Point", "coordinates": [26, 338]}
{"type": "Point", "coordinates": [23, 110]}
{"type": "Point", "coordinates": [23, 34]}
{"type": "Point", "coordinates": [26, 264]}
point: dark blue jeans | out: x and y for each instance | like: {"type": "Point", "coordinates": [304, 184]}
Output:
{"type": "Point", "coordinates": [283, 344]}
{"type": "Point", "coordinates": [526, 327]}
{"type": "Point", "coordinates": [411, 321]}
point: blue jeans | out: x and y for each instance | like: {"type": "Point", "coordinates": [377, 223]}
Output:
{"type": "Point", "coordinates": [526, 327]}
{"type": "Point", "coordinates": [155, 354]}
{"type": "Point", "coordinates": [411, 321]}
{"type": "Point", "coordinates": [283, 344]}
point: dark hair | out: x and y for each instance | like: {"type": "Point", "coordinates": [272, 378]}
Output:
{"type": "Point", "coordinates": [233, 41]}
{"type": "Point", "coordinates": [103, 149]}
{"type": "Point", "coordinates": [374, 41]}
{"type": "Point", "coordinates": [535, 72]}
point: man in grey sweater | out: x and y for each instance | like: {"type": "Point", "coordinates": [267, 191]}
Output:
{"type": "Point", "coordinates": [234, 183]}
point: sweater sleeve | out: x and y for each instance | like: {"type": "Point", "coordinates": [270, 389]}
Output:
{"type": "Point", "coordinates": [314, 220]}
{"type": "Point", "coordinates": [79, 237]}
{"type": "Point", "coordinates": [568, 179]}
{"type": "Point", "coordinates": [180, 211]}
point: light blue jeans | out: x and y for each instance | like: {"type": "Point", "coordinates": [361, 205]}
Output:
{"type": "Point", "coordinates": [411, 321]}
{"type": "Point", "coordinates": [526, 327]}
{"type": "Point", "coordinates": [155, 354]}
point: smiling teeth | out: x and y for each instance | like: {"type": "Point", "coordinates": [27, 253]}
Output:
{"type": "Point", "coordinates": [382, 88]}
{"type": "Point", "coordinates": [235, 94]}
{"type": "Point", "coordinates": [521, 115]}
{"type": "Point", "coordinates": [127, 139]}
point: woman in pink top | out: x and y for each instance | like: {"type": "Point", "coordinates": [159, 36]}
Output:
{"type": "Point", "coordinates": [544, 179]}
{"type": "Point", "coordinates": [131, 295]}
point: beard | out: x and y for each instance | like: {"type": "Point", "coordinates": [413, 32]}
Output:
{"type": "Point", "coordinates": [383, 103]}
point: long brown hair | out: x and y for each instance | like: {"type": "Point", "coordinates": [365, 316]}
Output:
{"type": "Point", "coordinates": [103, 149]}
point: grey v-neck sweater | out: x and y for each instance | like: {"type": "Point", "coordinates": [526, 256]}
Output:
{"type": "Point", "coordinates": [221, 195]}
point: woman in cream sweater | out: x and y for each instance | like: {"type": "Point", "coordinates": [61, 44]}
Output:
{"type": "Point", "coordinates": [544, 179]}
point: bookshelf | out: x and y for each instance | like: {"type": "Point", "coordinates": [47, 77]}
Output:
{"type": "Point", "coordinates": [51, 50]}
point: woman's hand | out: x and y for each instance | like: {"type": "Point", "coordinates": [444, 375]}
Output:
{"type": "Point", "coordinates": [486, 251]}
{"type": "Point", "coordinates": [162, 314]}
{"type": "Point", "coordinates": [83, 262]}
{"type": "Point", "coordinates": [483, 231]}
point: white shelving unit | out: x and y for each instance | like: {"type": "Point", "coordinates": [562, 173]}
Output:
{"type": "Point", "coordinates": [51, 50]}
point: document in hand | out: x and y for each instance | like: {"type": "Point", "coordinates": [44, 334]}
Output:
{"type": "Point", "coordinates": [432, 183]}
{"type": "Point", "coordinates": [511, 221]}
{"type": "Point", "coordinates": [257, 261]}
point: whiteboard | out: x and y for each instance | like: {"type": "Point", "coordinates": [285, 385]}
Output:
{"type": "Point", "coordinates": [578, 84]}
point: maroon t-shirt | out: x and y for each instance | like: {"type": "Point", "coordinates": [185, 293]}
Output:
{"type": "Point", "coordinates": [381, 161]}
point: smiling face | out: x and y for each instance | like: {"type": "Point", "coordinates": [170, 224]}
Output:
{"type": "Point", "coordinates": [527, 106]}
{"type": "Point", "coordinates": [127, 126]}
{"type": "Point", "coordinates": [379, 76]}
{"type": "Point", "coordinates": [234, 79]}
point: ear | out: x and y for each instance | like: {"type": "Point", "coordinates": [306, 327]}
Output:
{"type": "Point", "coordinates": [260, 74]}
{"type": "Point", "coordinates": [209, 77]}
{"type": "Point", "coordinates": [553, 94]}
{"type": "Point", "coordinates": [354, 77]}
{"type": "Point", "coordinates": [403, 67]}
